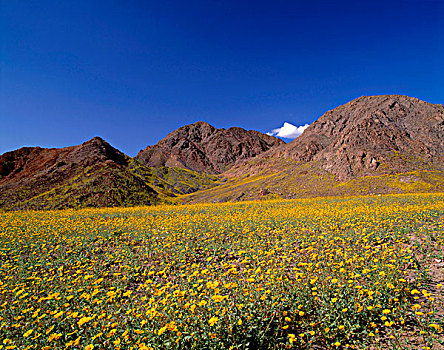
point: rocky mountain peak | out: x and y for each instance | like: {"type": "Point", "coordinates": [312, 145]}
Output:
{"type": "Point", "coordinates": [204, 148]}
{"type": "Point", "coordinates": [372, 132]}
{"type": "Point", "coordinates": [96, 150]}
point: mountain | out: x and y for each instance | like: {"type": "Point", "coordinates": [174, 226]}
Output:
{"type": "Point", "coordinates": [204, 148]}
{"type": "Point", "coordinates": [91, 174]}
{"type": "Point", "coordinates": [373, 135]}
{"type": "Point", "coordinates": [373, 144]}
{"type": "Point", "coordinates": [98, 175]}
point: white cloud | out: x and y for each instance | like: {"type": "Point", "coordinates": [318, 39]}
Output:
{"type": "Point", "coordinates": [288, 131]}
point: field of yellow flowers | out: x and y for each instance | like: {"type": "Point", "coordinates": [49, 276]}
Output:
{"type": "Point", "coordinates": [306, 274]}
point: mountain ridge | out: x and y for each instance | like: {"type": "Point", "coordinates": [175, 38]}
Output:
{"type": "Point", "coordinates": [94, 174]}
{"type": "Point", "coordinates": [204, 148]}
{"type": "Point", "coordinates": [369, 137]}
{"type": "Point", "coordinates": [372, 144]}
{"type": "Point", "coordinates": [372, 130]}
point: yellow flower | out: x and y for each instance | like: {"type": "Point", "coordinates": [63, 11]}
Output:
{"type": "Point", "coordinates": [97, 335]}
{"type": "Point", "coordinates": [435, 326]}
{"type": "Point", "coordinates": [57, 315]}
{"type": "Point", "coordinates": [162, 330]}
{"type": "Point", "coordinates": [84, 320]}
{"type": "Point", "coordinates": [89, 347]}
{"type": "Point", "coordinates": [213, 320]}
{"type": "Point", "coordinates": [28, 333]}
{"type": "Point", "coordinates": [217, 298]}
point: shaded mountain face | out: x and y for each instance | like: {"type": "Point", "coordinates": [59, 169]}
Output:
{"type": "Point", "coordinates": [91, 174]}
{"type": "Point", "coordinates": [203, 148]}
{"type": "Point", "coordinates": [29, 161]}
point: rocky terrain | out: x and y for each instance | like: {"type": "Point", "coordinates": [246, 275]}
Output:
{"type": "Point", "coordinates": [373, 134]}
{"type": "Point", "coordinates": [91, 174]}
{"type": "Point", "coordinates": [204, 148]}
{"type": "Point", "coordinates": [373, 144]}
{"type": "Point", "coordinates": [97, 174]}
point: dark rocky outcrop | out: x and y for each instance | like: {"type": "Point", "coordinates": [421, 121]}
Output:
{"type": "Point", "coordinates": [204, 148]}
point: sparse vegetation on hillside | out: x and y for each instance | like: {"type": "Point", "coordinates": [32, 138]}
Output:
{"type": "Point", "coordinates": [90, 175]}
{"type": "Point", "coordinates": [307, 180]}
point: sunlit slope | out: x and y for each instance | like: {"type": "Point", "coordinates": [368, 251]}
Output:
{"type": "Point", "coordinates": [109, 186]}
{"type": "Point", "coordinates": [307, 180]}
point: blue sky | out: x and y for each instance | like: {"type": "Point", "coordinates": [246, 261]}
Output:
{"type": "Point", "coordinates": [132, 71]}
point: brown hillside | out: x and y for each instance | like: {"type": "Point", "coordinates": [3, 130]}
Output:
{"type": "Point", "coordinates": [91, 174]}
{"type": "Point", "coordinates": [368, 136]}
{"type": "Point", "coordinates": [203, 148]}
{"type": "Point", "coordinates": [373, 144]}
{"type": "Point", "coordinates": [373, 134]}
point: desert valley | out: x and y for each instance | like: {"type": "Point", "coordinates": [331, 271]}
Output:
{"type": "Point", "coordinates": [231, 239]}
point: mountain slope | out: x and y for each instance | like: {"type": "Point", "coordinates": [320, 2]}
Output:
{"type": "Point", "coordinates": [373, 144]}
{"type": "Point", "coordinates": [373, 134]}
{"type": "Point", "coordinates": [203, 148]}
{"type": "Point", "coordinates": [97, 174]}
{"type": "Point", "coordinates": [91, 174]}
